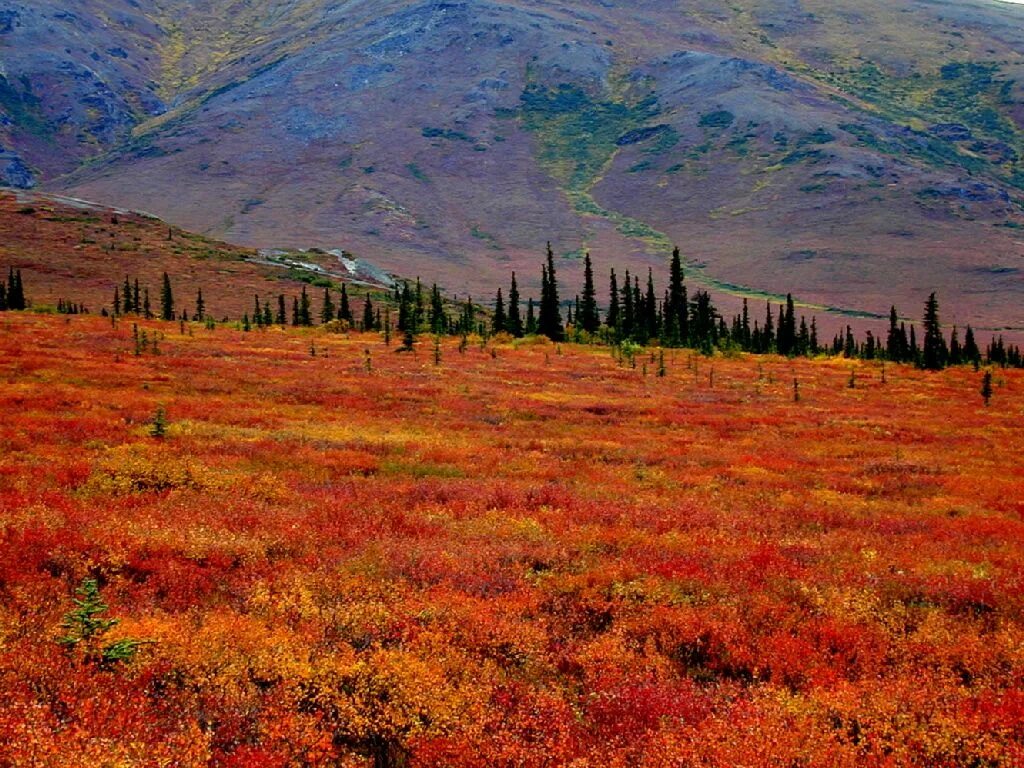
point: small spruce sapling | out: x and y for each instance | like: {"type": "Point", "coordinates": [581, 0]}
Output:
{"type": "Point", "coordinates": [158, 427]}
{"type": "Point", "coordinates": [85, 627]}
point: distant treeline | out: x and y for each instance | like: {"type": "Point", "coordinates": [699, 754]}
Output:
{"type": "Point", "coordinates": [633, 314]}
{"type": "Point", "coordinates": [676, 319]}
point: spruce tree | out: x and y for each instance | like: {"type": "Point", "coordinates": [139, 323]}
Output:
{"type": "Point", "coordinates": [419, 311]}
{"type": "Point", "coordinates": [327, 311]}
{"type": "Point", "coordinates": [894, 340]}
{"type": "Point", "coordinates": [986, 387]}
{"type": "Point", "coordinates": [787, 328]}
{"type": "Point", "coordinates": [639, 311]}
{"type": "Point", "coordinates": [438, 318]}
{"type": "Point", "coordinates": [126, 297]}
{"type": "Point", "coordinates": [296, 317]}
{"type": "Point", "coordinates": [499, 322]}
{"type": "Point", "coordinates": [651, 330]}
{"type": "Point", "coordinates": [613, 318]}
{"type": "Point", "coordinates": [405, 310]}
{"type": "Point", "coordinates": [117, 299]}
{"type": "Point", "coordinates": [587, 317]}
{"type": "Point", "coordinates": [768, 334]}
{"type": "Point", "coordinates": [849, 344]}
{"type": "Point", "coordinates": [675, 308]}
{"type": "Point", "coordinates": [282, 314]}
{"type": "Point", "coordinates": [166, 300]}
{"type": "Point", "coordinates": [628, 309]}
{"type": "Point", "coordinates": [200, 314]}
{"type": "Point", "coordinates": [136, 303]}
{"type": "Point", "coordinates": [147, 310]}
{"type": "Point", "coordinates": [531, 319]}
{"type": "Point", "coordinates": [305, 318]}
{"type": "Point", "coordinates": [550, 320]}
{"type": "Point", "coordinates": [345, 309]}
{"type": "Point", "coordinates": [16, 293]}
{"type": "Point", "coordinates": [515, 320]}
{"type": "Point", "coordinates": [369, 321]}
{"type": "Point", "coordinates": [703, 327]}
{"type": "Point", "coordinates": [955, 350]}
{"type": "Point", "coordinates": [868, 353]}
{"type": "Point", "coordinates": [468, 323]}
{"type": "Point", "coordinates": [933, 353]}
{"type": "Point", "coordinates": [746, 337]}
{"type": "Point", "coordinates": [970, 353]}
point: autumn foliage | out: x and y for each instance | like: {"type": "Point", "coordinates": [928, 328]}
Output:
{"type": "Point", "coordinates": [527, 556]}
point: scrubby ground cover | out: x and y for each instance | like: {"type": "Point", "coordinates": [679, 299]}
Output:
{"type": "Point", "coordinates": [337, 555]}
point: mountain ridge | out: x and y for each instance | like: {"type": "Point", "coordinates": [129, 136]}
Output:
{"type": "Point", "coordinates": [453, 139]}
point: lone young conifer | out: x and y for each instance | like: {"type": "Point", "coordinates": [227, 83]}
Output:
{"type": "Point", "coordinates": [158, 427]}
{"type": "Point", "coordinates": [85, 627]}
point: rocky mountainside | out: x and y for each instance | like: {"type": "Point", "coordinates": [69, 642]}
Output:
{"type": "Point", "coordinates": [858, 154]}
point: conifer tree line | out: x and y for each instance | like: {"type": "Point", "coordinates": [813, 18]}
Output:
{"type": "Point", "coordinates": [675, 319]}
{"type": "Point", "coordinates": [66, 307]}
{"type": "Point", "coordinates": [132, 298]}
{"type": "Point", "coordinates": [634, 313]}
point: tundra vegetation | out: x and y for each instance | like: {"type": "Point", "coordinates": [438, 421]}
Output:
{"type": "Point", "coordinates": [499, 552]}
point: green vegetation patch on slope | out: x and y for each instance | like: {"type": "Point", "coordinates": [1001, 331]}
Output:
{"type": "Point", "coordinates": [577, 132]}
{"type": "Point", "coordinates": [578, 135]}
{"type": "Point", "coordinates": [958, 113]}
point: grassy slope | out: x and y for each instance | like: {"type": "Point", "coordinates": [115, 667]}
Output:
{"type": "Point", "coordinates": [81, 252]}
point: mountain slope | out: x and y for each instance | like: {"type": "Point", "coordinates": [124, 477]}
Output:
{"type": "Point", "coordinates": [77, 251]}
{"type": "Point", "coordinates": [858, 156]}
